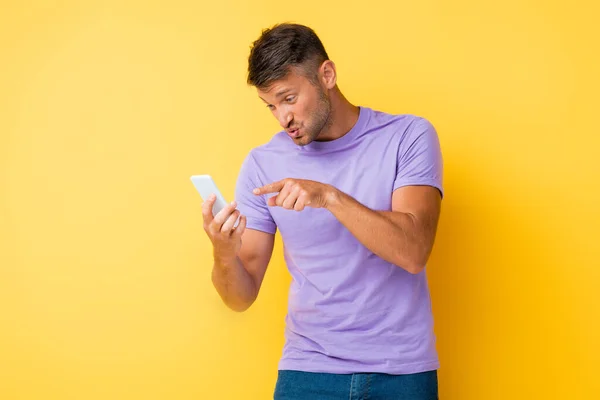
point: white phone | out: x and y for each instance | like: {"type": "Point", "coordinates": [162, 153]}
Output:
{"type": "Point", "coordinates": [205, 185]}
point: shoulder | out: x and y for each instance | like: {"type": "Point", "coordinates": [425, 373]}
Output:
{"type": "Point", "coordinates": [401, 129]}
{"type": "Point", "coordinates": [399, 123]}
{"type": "Point", "coordinates": [278, 143]}
{"type": "Point", "coordinates": [264, 155]}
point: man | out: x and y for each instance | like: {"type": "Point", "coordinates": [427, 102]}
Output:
{"type": "Point", "coordinates": [356, 195]}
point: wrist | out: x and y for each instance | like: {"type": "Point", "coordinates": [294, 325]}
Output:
{"type": "Point", "coordinates": [333, 197]}
{"type": "Point", "coordinates": [224, 260]}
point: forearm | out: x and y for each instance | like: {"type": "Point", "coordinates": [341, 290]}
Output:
{"type": "Point", "coordinates": [233, 283]}
{"type": "Point", "coordinates": [393, 236]}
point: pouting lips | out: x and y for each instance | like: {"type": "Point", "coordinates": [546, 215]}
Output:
{"type": "Point", "coordinates": [293, 133]}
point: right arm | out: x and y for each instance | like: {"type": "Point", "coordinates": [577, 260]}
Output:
{"type": "Point", "coordinates": [241, 256]}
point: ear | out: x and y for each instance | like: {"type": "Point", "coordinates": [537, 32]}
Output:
{"type": "Point", "coordinates": [328, 74]}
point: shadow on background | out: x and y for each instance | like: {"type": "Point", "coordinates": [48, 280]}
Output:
{"type": "Point", "coordinates": [498, 301]}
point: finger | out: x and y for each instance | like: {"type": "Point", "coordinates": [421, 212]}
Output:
{"type": "Point", "coordinates": [230, 222]}
{"type": "Point", "coordinates": [222, 216]}
{"type": "Point", "coordinates": [303, 201]}
{"type": "Point", "coordinates": [276, 200]}
{"type": "Point", "coordinates": [239, 230]}
{"type": "Point", "coordinates": [290, 200]}
{"type": "Point", "coordinates": [285, 191]}
{"type": "Point", "coordinates": [279, 198]}
{"type": "Point", "coordinates": [270, 188]}
{"type": "Point", "coordinates": [207, 206]}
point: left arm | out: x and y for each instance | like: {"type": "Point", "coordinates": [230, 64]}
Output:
{"type": "Point", "coordinates": [403, 236]}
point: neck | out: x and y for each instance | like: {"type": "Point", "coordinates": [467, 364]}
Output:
{"type": "Point", "coordinates": [342, 118]}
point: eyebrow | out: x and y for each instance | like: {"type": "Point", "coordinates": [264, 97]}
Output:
{"type": "Point", "coordinates": [282, 92]}
{"type": "Point", "coordinates": [278, 94]}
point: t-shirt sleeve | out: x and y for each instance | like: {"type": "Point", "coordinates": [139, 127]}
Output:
{"type": "Point", "coordinates": [419, 157]}
{"type": "Point", "coordinates": [252, 206]}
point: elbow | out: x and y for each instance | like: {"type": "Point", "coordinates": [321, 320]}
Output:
{"type": "Point", "coordinates": [415, 269]}
{"type": "Point", "coordinates": [238, 304]}
{"type": "Point", "coordinates": [411, 267]}
{"type": "Point", "coordinates": [239, 308]}
{"type": "Point", "coordinates": [414, 264]}
{"type": "Point", "coordinates": [238, 301]}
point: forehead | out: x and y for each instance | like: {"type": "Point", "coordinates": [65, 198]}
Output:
{"type": "Point", "coordinates": [294, 80]}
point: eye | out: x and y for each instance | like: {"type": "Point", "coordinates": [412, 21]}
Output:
{"type": "Point", "coordinates": [290, 99]}
{"type": "Point", "coordinates": [270, 106]}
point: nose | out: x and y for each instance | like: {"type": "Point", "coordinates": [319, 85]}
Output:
{"type": "Point", "coordinates": [285, 117]}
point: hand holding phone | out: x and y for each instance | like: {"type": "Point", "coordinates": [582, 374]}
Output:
{"type": "Point", "coordinates": [205, 185]}
{"type": "Point", "coordinates": [220, 218]}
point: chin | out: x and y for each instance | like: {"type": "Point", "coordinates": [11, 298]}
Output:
{"type": "Point", "coordinates": [304, 141]}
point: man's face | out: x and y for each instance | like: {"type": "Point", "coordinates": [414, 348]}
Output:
{"type": "Point", "coordinates": [301, 108]}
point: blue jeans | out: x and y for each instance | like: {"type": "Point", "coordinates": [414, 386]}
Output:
{"type": "Point", "coordinates": [297, 385]}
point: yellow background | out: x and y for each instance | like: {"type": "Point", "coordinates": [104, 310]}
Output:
{"type": "Point", "coordinates": [107, 108]}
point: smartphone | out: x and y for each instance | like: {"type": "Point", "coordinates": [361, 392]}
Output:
{"type": "Point", "coordinates": [205, 185]}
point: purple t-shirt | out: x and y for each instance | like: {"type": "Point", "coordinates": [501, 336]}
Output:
{"type": "Point", "coordinates": [348, 309]}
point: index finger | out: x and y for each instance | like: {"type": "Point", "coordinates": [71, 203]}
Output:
{"type": "Point", "coordinates": [270, 188]}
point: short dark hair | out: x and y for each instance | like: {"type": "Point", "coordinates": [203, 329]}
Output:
{"type": "Point", "coordinates": [281, 47]}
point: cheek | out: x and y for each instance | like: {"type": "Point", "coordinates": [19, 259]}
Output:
{"type": "Point", "coordinates": [305, 110]}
